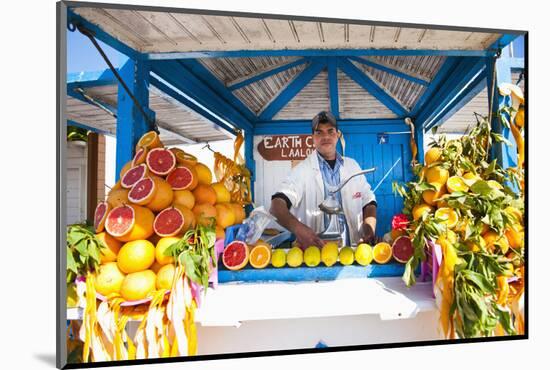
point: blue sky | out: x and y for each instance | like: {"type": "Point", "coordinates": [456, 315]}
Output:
{"type": "Point", "coordinates": [82, 56]}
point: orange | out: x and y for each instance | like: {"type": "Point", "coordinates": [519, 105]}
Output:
{"type": "Point", "coordinates": [492, 239]}
{"type": "Point", "coordinates": [437, 174]}
{"type": "Point", "coordinates": [108, 279]}
{"type": "Point", "coordinates": [420, 209]}
{"type": "Point", "coordinates": [224, 215]}
{"type": "Point", "coordinates": [112, 245]}
{"type": "Point", "coordinates": [220, 232]}
{"type": "Point", "coordinates": [430, 196]}
{"type": "Point", "coordinates": [456, 183]}
{"type": "Point", "coordinates": [515, 213]}
{"type": "Point", "coordinates": [116, 186]}
{"type": "Point", "coordinates": [125, 169]}
{"type": "Point", "coordinates": [189, 220]}
{"type": "Point", "coordinates": [149, 140]}
{"type": "Point", "coordinates": [138, 285]}
{"type": "Point", "coordinates": [162, 245]}
{"type": "Point", "coordinates": [118, 197]}
{"type": "Point", "coordinates": [260, 255]}
{"type": "Point", "coordinates": [432, 155]}
{"type": "Point", "coordinates": [204, 213]}
{"type": "Point", "coordinates": [382, 253]}
{"type": "Point", "coordinates": [239, 212]}
{"type": "Point", "coordinates": [204, 174]}
{"type": "Point", "coordinates": [163, 195]}
{"type": "Point", "coordinates": [137, 255]}
{"type": "Point", "coordinates": [222, 194]}
{"type": "Point", "coordinates": [448, 215]}
{"type": "Point", "coordinates": [515, 236]}
{"type": "Point", "coordinates": [204, 194]}
{"type": "Point", "coordinates": [183, 157]}
{"type": "Point", "coordinates": [184, 198]}
{"type": "Point", "coordinates": [165, 276]}
{"type": "Point", "coordinates": [397, 233]}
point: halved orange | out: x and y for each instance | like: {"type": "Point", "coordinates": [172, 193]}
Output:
{"type": "Point", "coordinates": [448, 215]}
{"type": "Point", "coordinates": [260, 255]}
{"type": "Point", "coordinates": [456, 183]}
{"type": "Point", "coordinates": [149, 140]}
{"type": "Point", "coordinates": [382, 253]}
{"type": "Point", "coordinates": [182, 157]}
{"type": "Point", "coordinates": [430, 196]}
{"type": "Point", "coordinates": [420, 209]}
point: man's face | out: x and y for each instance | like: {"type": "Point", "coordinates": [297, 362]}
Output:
{"type": "Point", "coordinates": [325, 138]}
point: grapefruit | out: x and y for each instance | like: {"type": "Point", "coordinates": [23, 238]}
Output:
{"type": "Point", "coordinates": [125, 169]}
{"type": "Point", "coordinates": [118, 197]}
{"type": "Point", "coordinates": [137, 255]}
{"type": "Point", "coordinates": [312, 256]}
{"type": "Point", "coordinates": [149, 140]}
{"type": "Point", "coordinates": [142, 192]}
{"type": "Point", "coordinates": [183, 157]}
{"type": "Point", "coordinates": [204, 174]}
{"type": "Point", "coordinates": [222, 194]}
{"type": "Point", "coordinates": [130, 222]}
{"type": "Point", "coordinates": [168, 222]}
{"type": "Point", "coordinates": [162, 196]}
{"type": "Point", "coordinates": [224, 215]}
{"type": "Point", "coordinates": [382, 253]}
{"type": "Point", "coordinates": [160, 249]}
{"type": "Point", "coordinates": [189, 221]}
{"type": "Point", "coordinates": [204, 194]}
{"type": "Point", "coordinates": [205, 214]}
{"type": "Point", "coordinates": [402, 249]}
{"type": "Point", "coordinates": [295, 257]}
{"type": "Point", "coordinates": [109, 279]}
{"type": "Point", "coordinates": [329, 253]}
{"type": "Point", "coordinates": [112, 246]}
{"type": "Point", "coordinates": [138, 285]}
{"type": "Point", "coordinates": [160, 161]}
{"type": "Point", "coordinates": [182, 178]}
{"type": "Point", "coordinates": [165, 276]}
{"type": "Point", "coordinates": [235, 255]}
{"type": "Point", "coordinates": [133, 175]}
{"type": "Point", "coordinates": [346, 256]}
{"type": "Point", "coordinates": [140, 156]}
{"type": "Point", "coordinates": [278, 258]}
{"type": "Point", "coordinates": [100, 215]}
{"type": "Point", "coordinates": [260, 255]}
{"type": "Point", "coordinates": [363, 254]}
{"type": "Point", "coordinates": [184, 198]}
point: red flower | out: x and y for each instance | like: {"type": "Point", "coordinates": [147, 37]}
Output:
{"type": "Point", "coordinates": [399, 222]}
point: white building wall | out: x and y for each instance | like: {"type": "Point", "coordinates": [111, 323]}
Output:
{"type": "Point", "coordinates": [76, 181]}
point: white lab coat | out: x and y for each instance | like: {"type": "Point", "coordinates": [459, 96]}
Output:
{"type": "Point", "coordinates": [304, 188]}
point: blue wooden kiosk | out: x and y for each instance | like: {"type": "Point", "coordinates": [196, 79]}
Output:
{"type": "Point", "coordinates": [268, 75]}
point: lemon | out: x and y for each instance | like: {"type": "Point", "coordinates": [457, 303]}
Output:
{"type": "Point", "coordinates": [346, 256]}
{"type": "Point", "coordinates": [329, 253]}
{"type": "Point", "coordinates": [295, 257]}
{"type": "Point", "coordinates": [278, 258]}
{"type": "Point", "coordinates": [363, 254]}
{"type": "Point", "coordinates": [312, 256]}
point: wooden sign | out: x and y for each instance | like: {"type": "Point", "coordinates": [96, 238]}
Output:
{"type": "Point", "coordinates": [286, 147]}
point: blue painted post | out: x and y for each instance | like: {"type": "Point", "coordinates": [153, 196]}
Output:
{"type": "Point", "coordinates": [506, 155]}
{"type": "Point", "coordinates": [419, 138]}
{"type": "Point", "coordinates": [131, 124]}
{"type": "Point", "coordinates": [250, 162]}
{"type": "Point", "coordinates": [332, 65]}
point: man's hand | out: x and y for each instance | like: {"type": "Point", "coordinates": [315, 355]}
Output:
{"type": "Point", "coordinates": [306, 237]}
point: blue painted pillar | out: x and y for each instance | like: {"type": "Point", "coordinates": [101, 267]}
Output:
{"type": "Point", "coordinates": [506, 155]}
{"type": "Point", "coordinates": [419, 138]}
{"type": "Point", "coordinates": [131, 124]}
{"type": "Point", "coordinates": [249, 158]}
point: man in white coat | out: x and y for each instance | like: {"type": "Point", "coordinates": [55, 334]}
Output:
{"type": "Point", "coordinates": [296, 203]}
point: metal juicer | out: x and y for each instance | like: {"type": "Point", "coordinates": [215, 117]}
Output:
{"type": "Point", "coordinates": [331, 206]}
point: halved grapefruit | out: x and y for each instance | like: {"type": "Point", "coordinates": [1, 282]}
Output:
{"type": "Point", "coordinates": [402, 249]}
{"type": "Point", "coordinates": [168, 222]}
{"type": "Point", "coordinates": [183, 178]}
{"type": "Point", "coordinates": [100, 215]}
{"type": "Point", "coordinates": [133, 175]}
{"type": "Point", "coordinates": [189, 221]}
{"type": "Point", "coordinates": [142, 192]}
{"type": "Point", "coordinates": [140, 156]}
{"type": "Point", "coordinates": [130, 222]}
{"type": "Point", "coordinates": [161, 161]}
{"type": "Point", "coordinates": [235, 255]}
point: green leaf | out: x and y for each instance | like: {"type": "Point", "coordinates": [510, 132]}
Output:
{"type": "Point", "coordinates": [71, 263]}
{"type": "Point", "coordinates": [479, 280]}
{"type": "Point", "coordinates": [408, 275]}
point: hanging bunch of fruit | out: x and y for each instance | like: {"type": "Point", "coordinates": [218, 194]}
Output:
{"type": "Point", "coordinates": [472, 209]}
{"type": "Point", "coordinates": [148, 256]}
